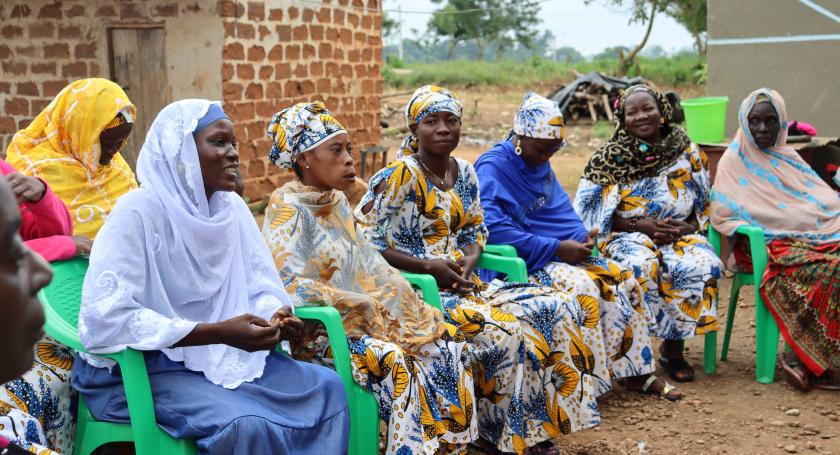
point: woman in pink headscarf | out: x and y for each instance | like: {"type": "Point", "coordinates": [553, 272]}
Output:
{"type": "Point", "coordinates": [763, 182]}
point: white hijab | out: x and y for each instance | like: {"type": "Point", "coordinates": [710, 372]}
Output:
{"type": "Point", "coordinates": [168, 259]}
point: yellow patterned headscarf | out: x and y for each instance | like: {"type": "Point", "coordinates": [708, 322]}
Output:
{"type": "Point", "coordinates": [426, 100]}
{"type": "Point", "coordinates": [61, 146]}
{"type": "Point", "coordinates": [299, 129]}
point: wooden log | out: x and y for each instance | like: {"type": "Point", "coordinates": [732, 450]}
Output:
{"type": "Point", "coordinates": [607, 108]}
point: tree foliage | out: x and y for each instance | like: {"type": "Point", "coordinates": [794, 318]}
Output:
{"type": "Point", "coordinates": [691, 14]}
{"type": "Point", "coordinates": [503, 23]}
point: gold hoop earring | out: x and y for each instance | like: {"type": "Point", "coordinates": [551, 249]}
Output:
{"type": "Point", "coordinates": [518, 149]}
{"type": "Point", "coordinates": [661, 120]}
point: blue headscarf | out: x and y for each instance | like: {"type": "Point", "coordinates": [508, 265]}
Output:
{"type": "Point", "coordinates": [214, 113]}
{"type": "Point", "coordinates": [525, 206]}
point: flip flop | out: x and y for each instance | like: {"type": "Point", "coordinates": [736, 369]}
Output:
{"type": "Point", "coordinates": [673, 366]}
{"type": "Point", "coordinates": [664, 393]}
{"type": "Point", "coordinates": [794, 374]}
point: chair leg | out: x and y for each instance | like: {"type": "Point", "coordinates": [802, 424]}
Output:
{"type": "Point", "coordinates": [364, 423]}
{"type": "Point", "coordinates": [710, 353]}
{"type": "Point", "coordinates": [766, 342]}
{"type": "Point", "coordinates": [730, 316]}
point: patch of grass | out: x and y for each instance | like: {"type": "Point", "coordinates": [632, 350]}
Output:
{"type": "Point", "coordinates": [670, 71]}
{"type": "Point", "coordinates": [602, 130]}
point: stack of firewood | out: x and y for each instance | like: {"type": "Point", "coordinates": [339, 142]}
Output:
{"type": "Point", "coordinates": [591, 97]}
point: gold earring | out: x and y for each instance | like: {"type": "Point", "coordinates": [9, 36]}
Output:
{"type": "Point", "coordinates": [661, 120]}
{"type": "Point", "coordinates": [518, 149]}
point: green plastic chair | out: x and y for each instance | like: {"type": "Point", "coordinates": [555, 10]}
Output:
{"type": "Point", "coordinates": [709, 340]}
{"type": "Point", "coordinates": [766, 330]}
{"type": "Point", "coordinates": [61, 300]}
{"type": "Point", "coordinates": [364, 412]}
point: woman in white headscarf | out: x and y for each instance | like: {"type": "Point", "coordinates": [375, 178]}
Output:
{"type": "Point", "coordinates": [180, 270]}
{"type": "Point", "coordinates": [526, 207]}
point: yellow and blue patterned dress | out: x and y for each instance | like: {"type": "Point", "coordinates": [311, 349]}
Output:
{"type": "Point", "coordinates": [680, 279]}
{"type": "Point", "coordinates": [526, 207]}
{"type": "Point", "coordinates": [417, 366]}
{"type": "Point", "coordinates": [538, 353]}
{"type": "Point", "coordinates": [35, 409]}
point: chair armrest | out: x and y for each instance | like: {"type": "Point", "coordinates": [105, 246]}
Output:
{"type": "Point", "coordinates": [428, 287]}
{"type": "Point", "coordinates": [758, 249]}
{"type": "Point", "coordinates": [58, 328]}
{"type": "Point", "coordinates": [508, 251]}
{"type": "Point", "coordinates": [514, 268]}
{"type": "Point", "coordinates": [331, 319]}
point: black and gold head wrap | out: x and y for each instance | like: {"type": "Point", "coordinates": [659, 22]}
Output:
{"type": "Point", "coordinates": [625, 158]}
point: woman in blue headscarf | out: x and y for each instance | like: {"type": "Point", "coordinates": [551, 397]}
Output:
{"type": "Point", "coordinates": [525, 206]}
{"type": "Point", "coordinates": [181, 272]}
{"type": "Point", "coordinates": [539, 358]}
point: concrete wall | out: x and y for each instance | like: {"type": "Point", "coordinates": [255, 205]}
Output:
{"type": "Point", "coordinates": [806, 73]}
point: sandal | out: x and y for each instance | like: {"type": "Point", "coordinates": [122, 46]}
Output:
{"type": "Point", "coordinates": [674, 366]}
{"type": "Point", "coordinates": [793, 372]}
{"type": "Point", "coordinates": [826, 382]}
{"type": "Point", "coordinates": [664, 392]}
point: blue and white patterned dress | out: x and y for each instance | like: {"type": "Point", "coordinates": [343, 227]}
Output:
{"type": "Point", "coordinates": [680, 279]}
{"type": "Point", "coordinates": [539, 355]}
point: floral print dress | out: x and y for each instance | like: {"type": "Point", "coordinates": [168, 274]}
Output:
{"type": "Point", "coordinates": [625, 318]}
{"type": "Point", "coordinates": [416, 365]}
{"type": "Point", "coordinates": [680, 279]}
{"type": "Point", "coordinates": [538, 353]}
{"type": "Point", "coordinates": [35, 409]}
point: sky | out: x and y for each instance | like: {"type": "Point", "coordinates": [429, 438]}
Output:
{"type": "Point", "coordinates": [587, 28]}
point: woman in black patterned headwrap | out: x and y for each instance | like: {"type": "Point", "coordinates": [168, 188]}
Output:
{"type": "Point", "coordinates": [647, 191]}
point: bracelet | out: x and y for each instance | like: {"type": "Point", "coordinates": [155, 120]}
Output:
{"type": "Point", "coordinates": [632, 224]}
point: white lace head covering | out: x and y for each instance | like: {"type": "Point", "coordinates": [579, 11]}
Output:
{"type": "Point", "coordinates": [167, 259]}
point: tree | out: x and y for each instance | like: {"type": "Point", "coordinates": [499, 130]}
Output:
{"type": "Point", "coordinates": [485, 22]}
{"type": "Point", "coordinates": [692, 15]}
{"type": "Point", "coordinates": [610, 53]}
{"type": "Point", "coordinates": [568, 54]}
{"type": "Point", "coordinates": [644, 11]}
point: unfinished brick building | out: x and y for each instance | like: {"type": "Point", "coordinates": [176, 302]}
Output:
{"type": "Point", "coordinates": [256, 56]}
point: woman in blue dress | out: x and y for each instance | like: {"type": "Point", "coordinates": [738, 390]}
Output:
{"type": "Point", "coordinates": [180, 271]}
{"type": "Point", "coordinates": [525, 206]}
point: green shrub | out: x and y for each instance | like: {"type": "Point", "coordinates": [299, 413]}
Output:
{"type": "Point", "coordinates": [671, 71]}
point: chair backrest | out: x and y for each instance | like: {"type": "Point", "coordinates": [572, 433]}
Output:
{"type": "Point", "coordinates": [62, 298]}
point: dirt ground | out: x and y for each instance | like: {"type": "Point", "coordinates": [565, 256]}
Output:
{"type": "Point", "coordinates": [724, 413]}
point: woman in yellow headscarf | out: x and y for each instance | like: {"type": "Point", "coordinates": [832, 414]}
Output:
{"type": "Point", "coordinates": [74, 144]}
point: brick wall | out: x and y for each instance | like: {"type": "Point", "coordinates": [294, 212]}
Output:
{"type": "Point", "coordinates": [275, 53]}
{"type": "Point", "coordinates": [46, 44]}
{"type": "Point", "coordinates": [278, 53]}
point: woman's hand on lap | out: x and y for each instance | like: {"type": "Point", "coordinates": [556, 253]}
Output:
{"type": "Point", "coordinates": [573, 252]}
{"type": "Point", "coordinates": [249, 333]}
{"type": "Point", "coordinates": [448, 275]}
{"type": "Point", "coordinates": [288, 325]}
